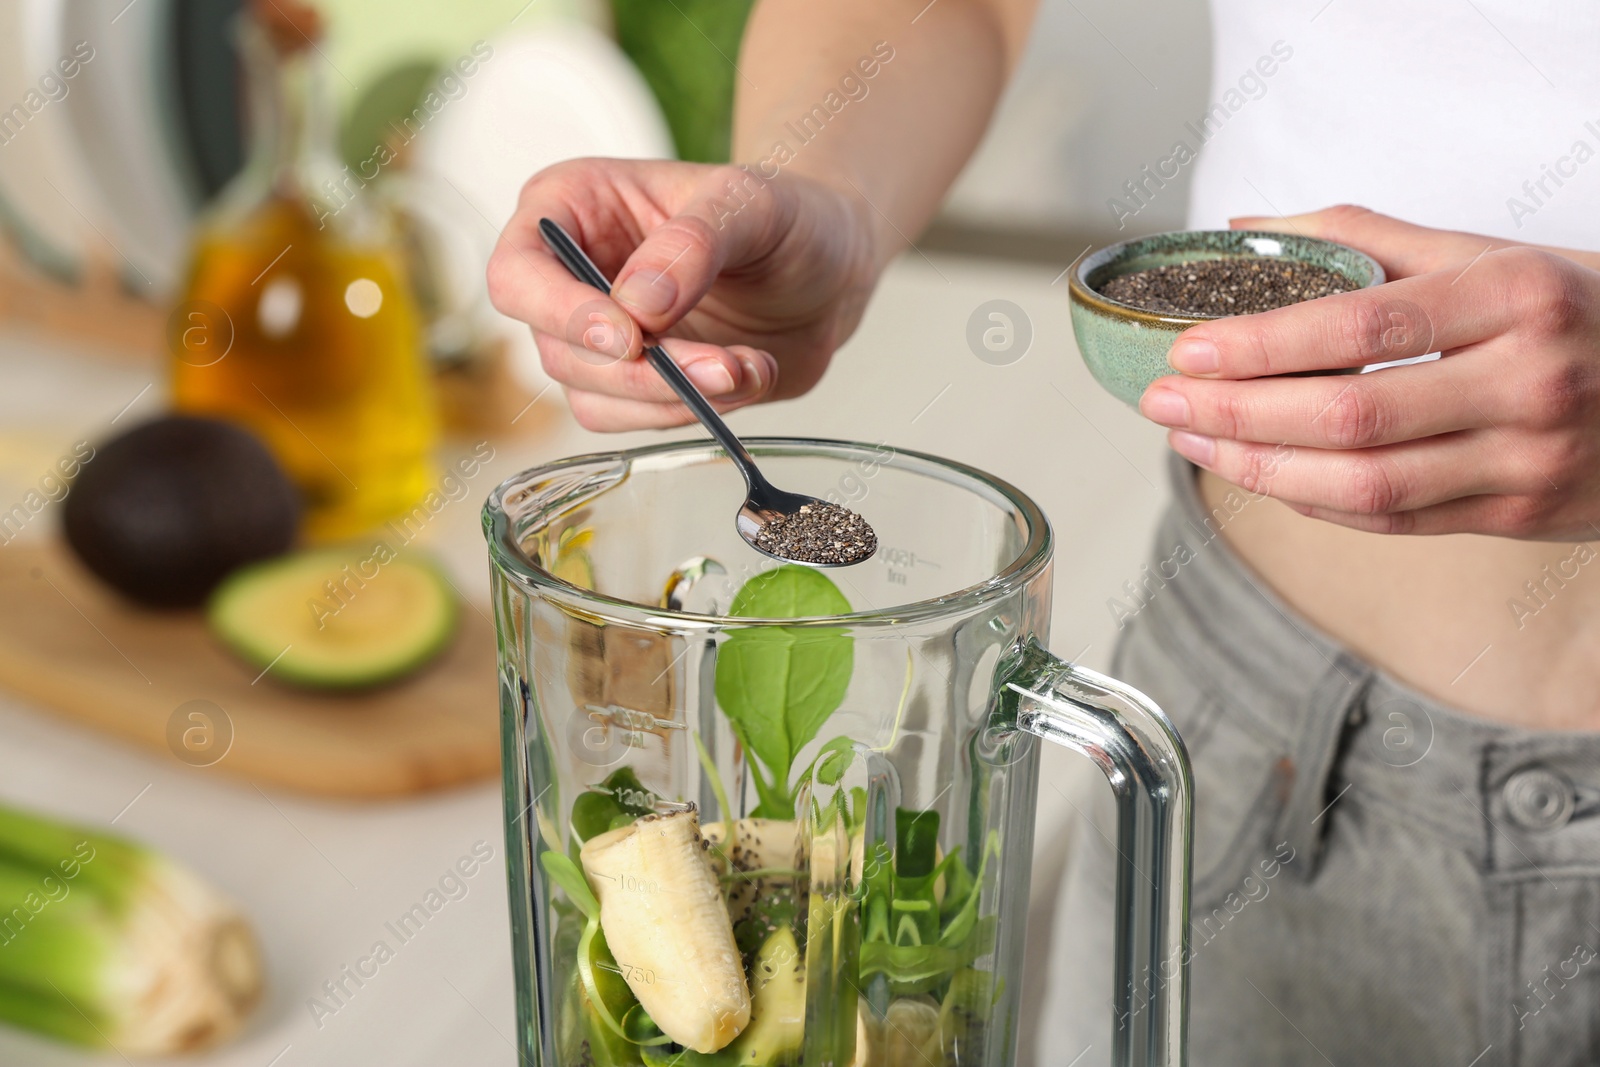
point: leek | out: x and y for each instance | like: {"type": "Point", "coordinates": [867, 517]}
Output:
{"type": "Point", "coordinates": [108, 944]}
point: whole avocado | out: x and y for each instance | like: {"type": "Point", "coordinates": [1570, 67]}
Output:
{"type": "Point", "coordinates": [165, 511]}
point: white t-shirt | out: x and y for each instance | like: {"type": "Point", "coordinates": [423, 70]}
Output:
{"type": "Point", "coordinates": [1478, 115]}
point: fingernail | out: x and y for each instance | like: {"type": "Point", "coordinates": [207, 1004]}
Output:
{"type": "Point", "coordinates": [606, 338]}
{"type": "Point", "coordinates": [754, 379]}
{"type": "Point", "coordinates": [1195, 356]}
{"type": "Point", "coordinates": [1166, 406]}
{"type": "Point", "coordinates": [710, 376]}
{"type": "Point", "coordinates": [1193, 447]}
{"type": "Point", "coordinates": [648, 291]}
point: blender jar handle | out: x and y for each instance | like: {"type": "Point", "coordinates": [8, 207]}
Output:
{"type": "Point", "coordinates": [1142, 756]}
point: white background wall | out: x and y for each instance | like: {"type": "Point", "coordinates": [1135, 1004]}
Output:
{"type": "Point", "coordinates": [1104, 88]}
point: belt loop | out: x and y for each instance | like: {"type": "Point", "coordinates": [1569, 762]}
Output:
{"type": "Point", "coordinates": [1336, 705]}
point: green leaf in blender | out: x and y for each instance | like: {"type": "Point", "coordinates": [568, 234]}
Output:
{"type": "Point", "coordinates": [779, 684]}
{"type": "Point", "coordinates": [966, 918]}
{"type": "Point", "coordinates": [832, 761]}
{"type": "Point", "coordinates": [564, 873]}
{"type": "Point", "coordinates": [905, 934]}
{"type": "Point", "coordinates": [917, 834]}
{"type": "Point", "coordinates": [915, 906]}
{"type": "Point", "coordinates": [607, 991]}
{"type": "Point", "coordinates": [920, 968]}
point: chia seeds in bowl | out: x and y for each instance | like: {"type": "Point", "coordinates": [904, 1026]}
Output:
{"type": "Point", "coordinates": [1131, 300]}
{"type": "Point", "coordinates": [1217, 287]}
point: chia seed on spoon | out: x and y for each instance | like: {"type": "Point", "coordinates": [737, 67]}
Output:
{"type": "Point", "coordinates": [818, 533]}
{"type": "Point", "coordinates": [1215, 288]}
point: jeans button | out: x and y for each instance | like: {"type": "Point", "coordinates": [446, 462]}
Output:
{"type": "Point", "coordinates": [1538, 798]}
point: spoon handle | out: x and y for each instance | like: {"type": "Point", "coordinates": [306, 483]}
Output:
{"type": "Point", "coordinates": [582, 267]}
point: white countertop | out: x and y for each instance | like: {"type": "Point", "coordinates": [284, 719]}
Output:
{"type": "Point", "coordinates": [321, 879]}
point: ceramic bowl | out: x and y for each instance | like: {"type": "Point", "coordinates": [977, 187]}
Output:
{"type": "Point", "coordinates": [1126, 347]}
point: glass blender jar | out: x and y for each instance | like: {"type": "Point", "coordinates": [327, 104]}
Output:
{"type": "Point", "coordinates": [766, 815]}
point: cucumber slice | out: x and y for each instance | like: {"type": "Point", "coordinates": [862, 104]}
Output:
{"type": "Point", "coordinates": [336, 618]}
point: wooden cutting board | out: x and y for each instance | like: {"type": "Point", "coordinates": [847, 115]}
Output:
{"type": "Point", "coordinates": [72, 646]}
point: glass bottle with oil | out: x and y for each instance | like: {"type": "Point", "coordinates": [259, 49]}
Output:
{"type": "Point", "coordinates": [298, 320]}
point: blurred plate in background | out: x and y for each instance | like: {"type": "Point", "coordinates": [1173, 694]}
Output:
{"type": "Point", "coordinates": [544, 95]}
{"type": "Point", "coordinates": [124, 115]}
{"type": "Point", "coordinates": [53, 213]}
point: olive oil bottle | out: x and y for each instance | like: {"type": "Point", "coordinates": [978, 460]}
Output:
{"type": "Point", "coordinates": [298, 319]}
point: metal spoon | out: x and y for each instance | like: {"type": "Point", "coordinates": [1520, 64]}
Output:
{"type": "Point", "coordinates": [766, 508]}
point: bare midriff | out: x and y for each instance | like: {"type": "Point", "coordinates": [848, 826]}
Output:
{"type": "Point", "coordinates": [1503, 629]}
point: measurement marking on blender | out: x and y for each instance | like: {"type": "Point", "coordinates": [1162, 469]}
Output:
{"type": "Point", "coordinates": [633, 973]}
{"type": "Point", "coordinates": [633, 884]}
{"type": "Point", "coordinates": [633, 724]}
{"type": "Point", "coordinates": [635, 797]}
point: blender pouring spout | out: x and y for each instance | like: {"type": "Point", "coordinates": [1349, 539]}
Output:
{"type": "Point", "coordinates": [1134, 744]}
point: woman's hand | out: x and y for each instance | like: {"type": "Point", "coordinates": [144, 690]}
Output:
{"type": "Point", "coordinates": [1500, 436]}
{"type": "Point", "coordinates": [751, 283]}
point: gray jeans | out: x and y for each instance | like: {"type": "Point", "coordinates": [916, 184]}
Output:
{"type": "Point", "coordinates": [1378, 879]}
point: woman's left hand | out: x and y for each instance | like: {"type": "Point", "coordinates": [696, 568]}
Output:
{"type": "Point", "coordinates": [1500, 436]}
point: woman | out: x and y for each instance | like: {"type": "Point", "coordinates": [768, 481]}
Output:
{"type": "Point", "coordinates": [1396, 855]}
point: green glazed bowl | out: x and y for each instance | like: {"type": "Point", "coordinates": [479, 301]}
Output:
{"type": "Point", "coordinates": [1126, 347]}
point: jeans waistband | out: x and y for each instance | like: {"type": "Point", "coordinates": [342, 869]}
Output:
{"type": "Point", "coordinates": [1519, 801]}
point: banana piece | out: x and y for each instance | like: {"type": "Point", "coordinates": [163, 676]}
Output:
{"type": "Point", "coordinates": [756, 845]}
{"type": "Point", "coordinates": [908, 1036]}
{"type": "Point", "coordinates": [667, 924]}
{"type": "Point", "coordinates": [863, 1056]}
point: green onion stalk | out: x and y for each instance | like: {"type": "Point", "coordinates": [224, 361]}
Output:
{"type": "Point", "coordinates": [108, 944]}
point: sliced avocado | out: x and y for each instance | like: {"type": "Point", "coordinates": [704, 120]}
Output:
{"type": "Point", "coordinates": [777, 1004]}
{"type": "Point", "coordinates": [165, 511]}
{"type": "Point", "coordinates": [776, 1030]}
{"type": "Point", "coordinates": [337, 618]}
{"type": "Point", "coordinates": [964, 1015]}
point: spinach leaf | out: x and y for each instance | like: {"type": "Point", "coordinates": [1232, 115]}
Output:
{"type": "Point", "coordinates": [789, 592]}
{"type": "Point", "coordinates": [779, 684]}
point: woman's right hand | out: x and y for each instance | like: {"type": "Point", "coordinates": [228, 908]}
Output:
{"type": "Point", "coordinates": [751, 284]}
